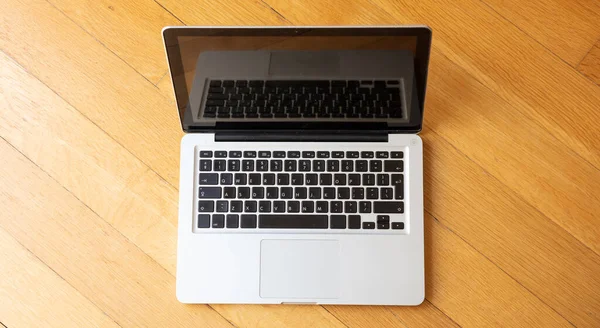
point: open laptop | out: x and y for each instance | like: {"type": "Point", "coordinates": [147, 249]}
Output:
{"type": "Point", "coordinates": [301, 167]}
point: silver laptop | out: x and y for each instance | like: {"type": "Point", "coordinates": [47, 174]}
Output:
{"type": "Point", "coordinates": [301, 167]}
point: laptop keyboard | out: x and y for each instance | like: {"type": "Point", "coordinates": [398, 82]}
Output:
{"type": "Point", "coordinates": [339, 190]}
{"type": "Point", "coordinates": [303, 99]}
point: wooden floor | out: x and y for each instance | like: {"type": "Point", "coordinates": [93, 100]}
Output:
{"type": "Point", "coordinates": [89, 163]}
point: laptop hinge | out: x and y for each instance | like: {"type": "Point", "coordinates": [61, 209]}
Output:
{"type": "Point", "coordinates": [304, 136]}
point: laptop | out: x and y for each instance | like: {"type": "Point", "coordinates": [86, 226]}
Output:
{"type": "Point", "coordinates": [301, 167]}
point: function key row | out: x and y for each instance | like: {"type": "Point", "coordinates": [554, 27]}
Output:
{"type": "Point", "coordinates": [299, 154]}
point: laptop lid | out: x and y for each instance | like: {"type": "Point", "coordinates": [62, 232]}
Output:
{"type": "Point", "coordinates": [395, 55]}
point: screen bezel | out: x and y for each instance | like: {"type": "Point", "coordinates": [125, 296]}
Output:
{"type": "Point", "coordinates": [423, 49]}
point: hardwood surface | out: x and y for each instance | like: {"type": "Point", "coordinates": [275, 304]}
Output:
{"type": "Point", "coordinates": [89, 155]}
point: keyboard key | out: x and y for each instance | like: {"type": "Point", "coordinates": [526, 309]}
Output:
{"type": "Point", "coordinates": [293, 154]}
{"type": "Point", "coordinates": [293, 206]}
{"type": "Point", "coordinates": [222, 206]}
{"type": "Point", "coordinates": [333, 165]}
{"type": "Point", "coordinates": [314, 193]}
{"type": "Point", "coordinates": [262, 165]}
{"type": "Point", "coordinates": [329, 193]}
{"type": "Point", "coordinates": [264, 206]}
{"type": "Point", "coordinates": [336, 207]}
{"type": "Point", "coordinates": [300, 193]}
{"type": "Point", "coordinates": [339, 179]}
{"type": "Point", "coordinates": [383, 179]}
{"type": "Point", "coordinates": [386, 193]}
{"type": "Point", "coordinates": [358, 193]}
{"type": "Point", "coordinates": [279, 221]}
{"type": "Point", "coordinates": [368, 225]}
{"type": "Point", "coordinates": [272, 193]}
{"type": "Point", "coordinates": [279, 154]}
{"type": "Point", "coordinates": [308, 154]}
{"type": "Point", "coordinates": [351, 154]}
{"type": "Point", "coordinates": [254, 179]}
{"type": "Point", "coordinates": [243, 192]}
{"type": "Point", "coordinates": [290, 165]}
{"type": "Point", "coordinates": [368, 179]}
{"type": "Point", "coordinates": [250, 206]}
{"type": "Point", "coordinates": [397, 154]}
{"type": "Point", "coordinates": [233, 221]}
{"type": "Point", "coordinates": [322, 207]}
{"type": "Point", "coordinates": [347, 166]}
{"type": "Point", "coordinates": [206, 206]}
{"type": "Point", "coordinates": [279, 206]}
{"type": "Point", "coordinates": [221, 154]}
{"type": "Point", "coordinates": [235, 154]}
{"type": "Point", "coordinates": [220, 165]}
{"type": "Point", "coordinates": [318, 166]}
{"type": "Point", "coordinates": [240, 178]}
{"type": "Point", "coordinates": [308, 206]}
{"type": "Point", "coordinates": [287, 193]}
{"type": "Point", "coordinates": [218, 221]}
{"type": "Point", "coordinates": [247, 165]}
{"type": "Point", "coordinates": [354, 221]}
{"type": "Point", "coordinates": [364, 207]}
{"type": "Point", "coordinates": [337, 154]}
{"type": "Point", "coordinates": [354, 179]}
{"type": "Point", "coordinates": [229, 192]}
{"type": "Point", "coordinates": [382, 154]}
{"type": "Point", "coordinates": [206, 154]}
{"type": "Point", "coordinates": [394, 166]}
{"type": "Point", "coordinates": [398, 225]}
{"type": "Point", "coordinates": [338, 222]}
{"type": "Point", "coordinates": [388, 207]}
{"type": "Point", "coordinates": [215, 83]}
{"type": "Point", "coordinates": [236, 206]}
{"type": "Point", "coordinates": [248, 221]}
{"type": "Point", "coordinates": [276, 165]}
{"type": "Point", "coordinates": [297, 179]}
{"type": "Point", "coordinates": [208, 179]}
{"type": "Point", "coordinates": [226, 179]}
{"type": "Point", "coordinates": [350, 207]}
{"type": "Point", "coordinates": [258, 192]}
{"type": "Point", "coordinates": [268, 179]}
{"type": "Point", "coordinates": [283, 179]}
{"type": "Point", "coordinates": [367, 154]}
{"type": "Point", "coordinates": [372, 193]}
{"type": "Point", "coordinates": [361, 166]}
{"type": "Point", "coordinates": [323, 154]}
{"type": "Point", "coordinates": [325, 179]}
{"type": "Point", "coordinates": [203, 220]}
{"type": "Point", "coordinates": [209, 192]}
{"type": "Point", "coordinates": [249, 154]}
{"type": "Point", "coordinates": [375, 166]}
{"type": "Point", "coordinates": [264, 154]}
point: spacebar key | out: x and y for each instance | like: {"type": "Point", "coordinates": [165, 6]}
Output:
{"type": "Point", "coordinates": [290, 221]}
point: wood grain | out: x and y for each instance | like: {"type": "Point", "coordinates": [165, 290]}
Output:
{"type": "Point", "coordinates": [567, 28]}
{"type": "Point", "coordinates": [32, 293]}
{"type": "Point", "coordinates": [590, 65]}
{"type": "Point", "coordinates": [90, 143]}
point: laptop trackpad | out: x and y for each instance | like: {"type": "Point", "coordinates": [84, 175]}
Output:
{"type": "Point", "coordinates": [299, 268]}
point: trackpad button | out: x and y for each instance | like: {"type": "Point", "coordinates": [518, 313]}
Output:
{"type": "Point", "coordinates": [299, 268]}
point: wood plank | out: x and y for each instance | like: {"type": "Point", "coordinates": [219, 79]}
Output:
{"type": "Point", "coordinates": [122, 103]}
{"type": "Point", "coordinates": [513, 65]}
{"type": "Point", "coordinates": [165, 86]}
{"type": "Point", "coordinates": [32, 293]}
{"type": "Point", "coordinates": [525, 157]}
{"type": "Point", "coordinates": [567, 28]}
{"type": "Point", "coordinates": [513, 235]}
{"type": "Point", "coordinates": [125, 193]}
{"type": "Point", "coordinates": [590, 65]}
{"type": "Point", "coordinates": [88, 253]}
{"type": "Point", "coordinates": [131, 34]}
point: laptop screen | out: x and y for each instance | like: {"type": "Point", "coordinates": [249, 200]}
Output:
{"type": "Point", "coordinates": [299, 78]}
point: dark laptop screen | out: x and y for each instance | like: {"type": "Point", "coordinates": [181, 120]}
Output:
{"type": "Point", "coordinates": [299, 78]}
